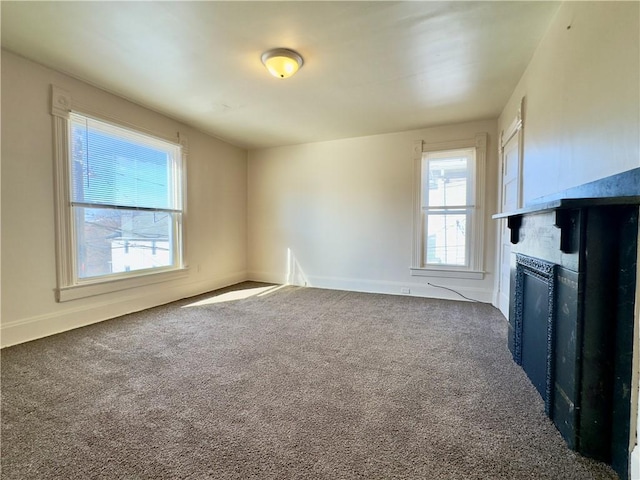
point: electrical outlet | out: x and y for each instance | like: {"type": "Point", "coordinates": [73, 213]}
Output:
{"type": "Point", "coordinates": [405, 290]}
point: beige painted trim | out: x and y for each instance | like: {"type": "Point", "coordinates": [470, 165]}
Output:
{"type": "Point", "coordinates": [480, 193]}
{"type": "Point", "coordinates": [513, 128]}
{"type": "Point", "coordinates": [68, 286]}
{"type": "Point", "coordinates": [418, 227]}
{"type": "Point", "coordinates": [447, 273]}
{"type": "Point", "coordinates": [516, 127]}
{"type": "Point", "coordinates": [476, 249]}
{"type": "Point", "coordinates": [75, 292]}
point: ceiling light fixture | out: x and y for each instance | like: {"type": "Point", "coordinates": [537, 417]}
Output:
{"type": "Point", "coordinates": [282, 62]}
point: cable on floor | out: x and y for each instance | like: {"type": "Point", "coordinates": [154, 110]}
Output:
{"type": "Point", "coordinates": [456, 292]}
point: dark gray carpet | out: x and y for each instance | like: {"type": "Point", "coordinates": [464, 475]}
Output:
{"type": "Point", "coordinates": [299, 383]}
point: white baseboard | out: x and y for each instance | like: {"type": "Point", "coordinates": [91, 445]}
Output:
{"type": "Point", "coordinates": [32, 328]}
{"type": "Point", "coordinates": [376, 286]}
{"type": "Point", "coordinates": [267, 277]}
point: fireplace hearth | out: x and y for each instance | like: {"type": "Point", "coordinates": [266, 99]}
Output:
{"type": "Point", "coordinates": [573, 283]}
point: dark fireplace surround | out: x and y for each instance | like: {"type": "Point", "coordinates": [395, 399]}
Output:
{"type": "Point", "coordinates": [571, 318]}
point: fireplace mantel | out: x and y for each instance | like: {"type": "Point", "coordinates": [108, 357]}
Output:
{"type": "Point", "coordinates": [571, 317]}
{"type": "Point", "coordinates": [620, 189]}
{"type": "Point", "coordinates": [616, 190]}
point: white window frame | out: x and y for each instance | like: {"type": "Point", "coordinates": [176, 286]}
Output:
{"type": "Point", "coordinates": [475, 265]}
{"type": "Point", "coordinates": [69, 285]}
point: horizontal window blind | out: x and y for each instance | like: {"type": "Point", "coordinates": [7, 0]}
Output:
{"type": "Point", "coordinates": [126, 200]}
{"type": "Point", "coordinates": [116, 167]}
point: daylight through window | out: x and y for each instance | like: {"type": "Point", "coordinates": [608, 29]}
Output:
{"type": "Point", "coordinates": [446, 207]}
{"type": "Point", "coordinates": [126, 200]}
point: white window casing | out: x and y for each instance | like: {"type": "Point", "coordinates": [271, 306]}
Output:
{"type": "Point", "coordinates": [70, 284]}
{"type": "Point", "coordinates": [473, 208]}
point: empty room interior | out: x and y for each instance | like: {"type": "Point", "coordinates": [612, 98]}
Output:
{"type": "Point", "coordinates": [320, 240]}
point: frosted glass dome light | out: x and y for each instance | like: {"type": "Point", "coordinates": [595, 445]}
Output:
{"type": "Point", "coordinates": [282, 62]}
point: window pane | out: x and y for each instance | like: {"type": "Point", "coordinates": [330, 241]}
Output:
{"type": "Point", "coordinates": [447, 182]}
{"type": "Point", "coordinates": [116, 167]}
{"type": "Point", "coordinates": [446, 239]}
{"type": "Point", "coordinates": [115, 241]}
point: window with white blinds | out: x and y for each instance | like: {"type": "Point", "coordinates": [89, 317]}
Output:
{"type": "Point", "coordinates": [126, 201]}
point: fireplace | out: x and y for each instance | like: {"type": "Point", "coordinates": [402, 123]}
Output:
{"type": "Point", "coordinates": [573, 284]}
{"type": "Point", "coordinates": [533, 343]}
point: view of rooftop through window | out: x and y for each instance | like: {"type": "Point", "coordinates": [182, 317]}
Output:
{"type": "Point", "coordinates": [124, 197]}
{"type": "Point", "coordinates": [445, 207]}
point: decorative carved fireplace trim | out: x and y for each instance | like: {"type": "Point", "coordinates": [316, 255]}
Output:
{"type": "Point", "coordinates": [545, 272]}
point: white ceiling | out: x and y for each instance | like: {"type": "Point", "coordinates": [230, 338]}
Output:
{"type": "Point", "coordinates": [370, 67]}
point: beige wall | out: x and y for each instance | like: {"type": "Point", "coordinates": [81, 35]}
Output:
{"type": "Point", "coordinates": [582, 113]}
{"type": "Point", "coordinates": [333, 214]}
{"type": "Point", "coordinates": [216, 228]}
{"type": "Point", "coordinates": [338, 214]}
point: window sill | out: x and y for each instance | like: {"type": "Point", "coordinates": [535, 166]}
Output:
{"type": "Point", "coordinates": [447, 273]}
{"type": "Point", "coordinates": [75, 292]}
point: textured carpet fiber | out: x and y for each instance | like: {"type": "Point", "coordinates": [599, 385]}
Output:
{"type": "Point", "coordinates": [290, 383]}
